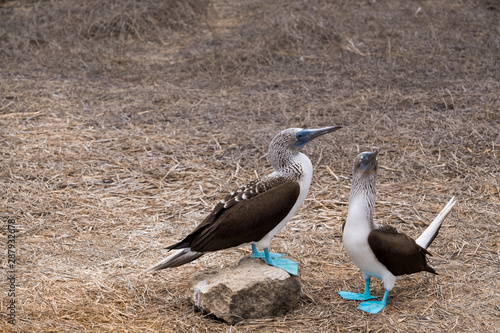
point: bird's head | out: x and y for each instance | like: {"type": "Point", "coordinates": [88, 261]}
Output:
{"type": "Point", "coordinates": [366, 162]}
{"type": "Point", "coordinates": [290, 141]}
{"type": "Point", "coordinates": [296, 138]}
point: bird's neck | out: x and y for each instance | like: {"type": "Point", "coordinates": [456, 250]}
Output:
{"type": "Point", "coordinates": [297, 167]}
{"type": "Point", "coordinates": [362, 203]}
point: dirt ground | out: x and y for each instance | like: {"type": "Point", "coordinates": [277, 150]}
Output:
{"type": "Point", "coordinates": [122, 123]}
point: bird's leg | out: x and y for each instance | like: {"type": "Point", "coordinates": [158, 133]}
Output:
{"type": "Point", "coordinates": [266, 255]}
{"type": "Point", "coordinates": [374, 306]}
{"type": "Point", "coordinates": [255, 253]}
{"type": "Point", "coordinates": [366, 294]}
{"type": "Point", "coordinates": [276, 260]}
{"type": "Point", "coordinates": [358, 297]}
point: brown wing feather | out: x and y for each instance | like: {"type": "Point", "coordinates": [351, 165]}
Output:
{"type": "Point", "coordinates": [244, 216]}
{"type": "Point", "coordinates": [398, 252]}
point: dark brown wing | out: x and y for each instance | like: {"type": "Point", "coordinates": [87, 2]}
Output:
{"type": "Point", "coordinates": [244, 216]}
{"type": "Point", "coordinates": [398, 252]}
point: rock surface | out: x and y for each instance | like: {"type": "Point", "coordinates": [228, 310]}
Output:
{"type": "Point", "coordinates": [246, 289]}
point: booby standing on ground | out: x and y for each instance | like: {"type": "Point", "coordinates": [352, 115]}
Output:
{"type": "Point", "coordinates": [380, 251]}
{"type": "Point", "coordinates": [255, 212]}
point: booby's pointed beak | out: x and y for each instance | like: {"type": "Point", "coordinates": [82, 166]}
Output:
{"type": "Point", "coordinates": [369, 160]}
{"type": "Point", "coordinates": [307, 135]}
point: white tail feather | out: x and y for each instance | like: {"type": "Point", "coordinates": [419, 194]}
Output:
{"type": "Point", "coordinates": [426, 238]}
{"type": "Point", "coordinates": [180, 257]}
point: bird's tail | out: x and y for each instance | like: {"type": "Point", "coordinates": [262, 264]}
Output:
{"type": "Point", "coordinates": [180, 257]}
{"type": "Point", "coordinates": [426, 238]}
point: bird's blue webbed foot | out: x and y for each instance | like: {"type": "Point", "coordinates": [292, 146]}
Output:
{"type": "Point", "coordinates": [356, 296]}
{"type": "Point", "coordinates": [374, 306]}
{"type": "Point", "coordinates": [276, 260]}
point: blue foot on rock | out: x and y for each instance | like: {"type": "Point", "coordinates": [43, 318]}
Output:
{"type": "Point", "coordinates": [374, 306]}
{"type": "Point", "coordinates": [276, 260]}
{"type": "Point", "coordinates": [262, 255]}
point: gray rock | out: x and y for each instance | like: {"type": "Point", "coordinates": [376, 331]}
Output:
{"type": "Point", "coordinates": [246, 289]}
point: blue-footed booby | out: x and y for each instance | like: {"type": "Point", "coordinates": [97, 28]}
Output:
{"type": "Point", "coordinates": [255, 212]}
{"type": "Point", "coordinates": [381, 251]}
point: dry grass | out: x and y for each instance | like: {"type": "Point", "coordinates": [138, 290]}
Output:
{"type": "Point", "coordinates": [121, 125]}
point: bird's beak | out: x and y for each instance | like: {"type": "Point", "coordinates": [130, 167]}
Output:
{"type": "Point", "coordinates": [307, 135]}
{"type": "Point", "coordinates": [369, 160]}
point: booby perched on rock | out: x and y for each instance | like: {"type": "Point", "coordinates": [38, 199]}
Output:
{"type": "Point", "coordinates": [255, 212]}
{"type": "Point", "coordinates": [380, 251]}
